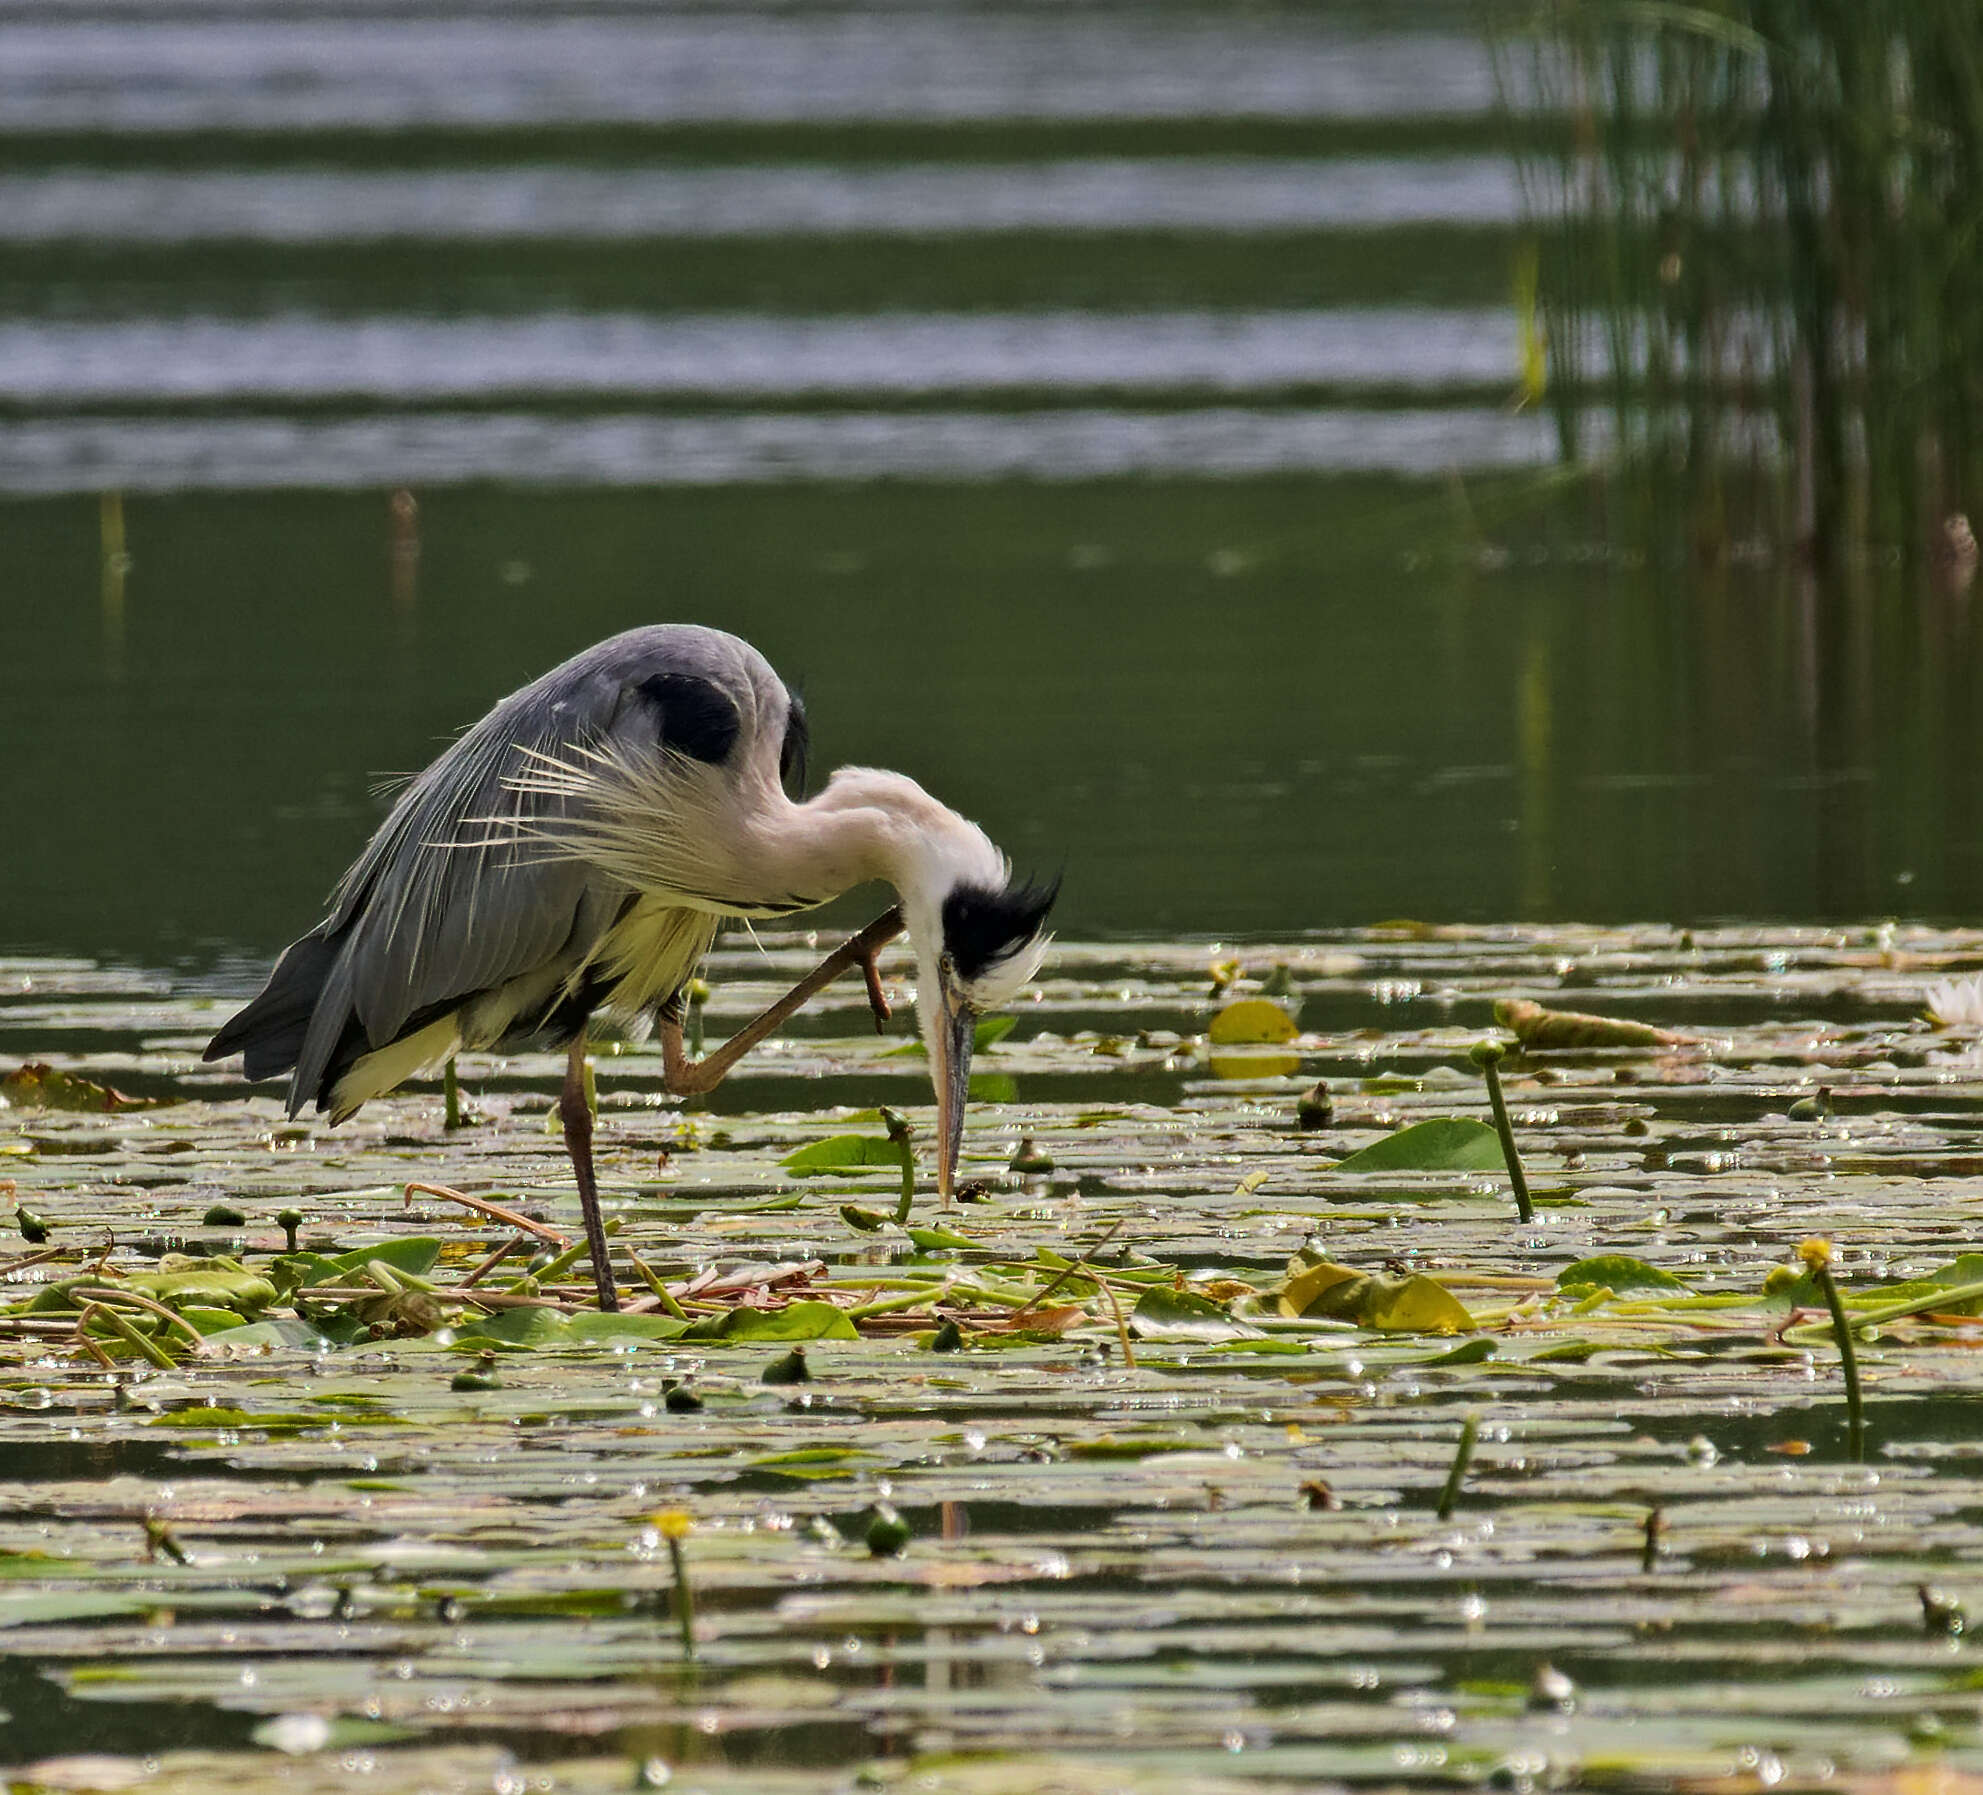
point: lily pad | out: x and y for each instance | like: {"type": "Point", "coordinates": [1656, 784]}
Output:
{"type": "Point", "coordinates": [1165, 1314]}
{"type": "Point", "coordinates": [795, 1321]}
{"type": "Point", "coordinates": [1251, 1022]}
{"type": "Point", "coordinates": [1617, 1272]}
{"type": "Point", "coordinates": [845, 1153]}
{"type": "Point", "coordinates": [1441, 1144]}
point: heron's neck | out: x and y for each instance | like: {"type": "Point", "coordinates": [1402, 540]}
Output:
{"type": "Point", "coordinates": [868, 824]}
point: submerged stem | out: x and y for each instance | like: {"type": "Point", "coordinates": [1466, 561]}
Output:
{"type": "Point", "coordinates": [1462, 1457]}
{"type": "Point", "coordinates": [684, 1596]}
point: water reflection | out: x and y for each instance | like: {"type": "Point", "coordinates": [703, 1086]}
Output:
{"type": "Point", "coordinates": [1271, 705]}
{"type": "Point", "coordinates": [1144, 426]}
{"type": "Point", "coordinates": [1758, 231]}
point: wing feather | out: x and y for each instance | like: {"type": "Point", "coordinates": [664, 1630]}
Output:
{"type": "Point", "coordinates": [481, 874]}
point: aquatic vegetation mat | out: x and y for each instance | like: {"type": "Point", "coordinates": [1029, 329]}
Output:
{"type": "Point", "coordinates": [1235, 1434]}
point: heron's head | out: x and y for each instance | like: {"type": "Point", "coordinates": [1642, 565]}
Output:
{"type": "Point", "coordinates": [976, 952]}
{"type": "Point", "coordinates": [979, 933]}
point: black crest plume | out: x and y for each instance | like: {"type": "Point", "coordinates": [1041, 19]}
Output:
{"type": "Point", "coordinates": [981, 927]}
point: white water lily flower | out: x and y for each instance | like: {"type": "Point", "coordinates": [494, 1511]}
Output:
{"type": "Point", "coordinates": [1956, 1003]}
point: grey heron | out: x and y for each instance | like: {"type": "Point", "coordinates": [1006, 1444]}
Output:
{"type": "Point", "coordinates": [576, 851]}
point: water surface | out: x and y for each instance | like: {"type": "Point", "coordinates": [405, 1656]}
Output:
{"type": "Point", "coordinates": [1110, 416]}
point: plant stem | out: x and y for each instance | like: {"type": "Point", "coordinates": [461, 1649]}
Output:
{"type": "Point", "coordinates": [1848, 1359]}
{"type": "Point", "coordinates": [130, 1335]}
{"type": "Point", "coordinates": [898, 1132]}
{"type": "Point", "coordinates": [451, 1095]}
{"type": "Point", "coordinates": [684, 1598]}
{"type": "Point", "coordinates": [890, 1305]}
{"type": "Point", "coordinates": [1942, 1302]}
{"type": "Point", "coordinates": [661, 1292]}
{"type": "Point", "coordinates": [1069, 1271]}
{"type": "Point", "coordinates": [1487, 1056]}
{"type": "Point", "coordinates": [1121, 1328]}
{"type": "Point", "coordinates": [1462, 1457]}
{"type": "Point", "coordinates": [568, 1258]}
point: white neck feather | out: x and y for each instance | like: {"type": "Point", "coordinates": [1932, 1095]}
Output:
{"type": "Point", "coordinates": [677, 831]}
{"type": "Point", "coordinates": [869, 824]}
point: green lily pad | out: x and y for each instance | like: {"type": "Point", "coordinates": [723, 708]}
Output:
{"type": "Point", "coordinates": [594, 1324]}
{"type": "Point", "coordinates": [1618, 1272]}
{"type": "Point", "coordinates": [796, 1321]}
{"type": "Point", "coordinates": [989, 1031]}
{"type": "Point", "coordinates": [845, 1153]}
{"type": "Point", "coordinates": [525, 1327]}
{"type": "Point", "coordinates": [1165, 1314]}
{"type": "Point", "coordinates": [1443, 1144]}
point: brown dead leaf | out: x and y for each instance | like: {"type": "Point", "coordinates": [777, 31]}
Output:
{"type": "Point", "coordinates": [1542, 1029]}
{"type": "Point", "coordinates": [38, 1085]}
{"type": "Point", "coordinates": [1049, 1321]}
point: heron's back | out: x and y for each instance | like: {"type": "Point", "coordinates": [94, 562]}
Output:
{"type": "Point", "coordinates": [462, 924]}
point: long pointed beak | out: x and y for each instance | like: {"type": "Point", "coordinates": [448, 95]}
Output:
{"type": "Point", "coordinates": [953, 1083]}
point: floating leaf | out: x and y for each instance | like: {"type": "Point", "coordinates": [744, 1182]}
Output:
{"type": "Point", "coordinates": [1400, 1305]}
{"type": "Point", "coordinates": [1166, 1314]}
{"type": "Point", "coordinates": [989, 1031]}
{"type": "Point", "coordinates": [38, 1085]}
{"type": "Point", "coordinates": [812, 1461]}
{"type": "Point", "coordinates": [592, 1324]}
{"type": "Point", "coordinates": [845, 1153]}
{"type": "Point", "coordinates": [1420, 1305]}
{"type": "Point", "coordinates": [1443, 1144]}
{"type": "Point", "coordinates": [212, 1321]}
{"type": "Point", "coordinates": [1299, 1293]}
{"type": "Point", "coordinates": [239, 1290]}
{"type": "Point", "coordinates": [413, 1254]}
{"type": "Point", "coordinates": [1618, 1272]}
{"type": "Point", "coordinates": [305, 1336]}
{"type": "Point", "coordinates": [939, 1240]}
{"type": "Point", "coordinates": [1251, 1022]}
{"type": "Point", "coordinates": [1540, 1029]}
{"type": "Point", "coordinates": [24, 1609]}
{"type": "Point", "coordinates": [796, 1321]}
{"type": "Point", "coordinates": [521, 1327]}
{"type": "Point", "coordinates": [1254, 1064]}
{"type": "Point", "coordinates": [1109, 1447]}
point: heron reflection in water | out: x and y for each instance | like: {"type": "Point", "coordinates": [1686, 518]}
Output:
{"type": "Point", "coordinates": [576, 851]}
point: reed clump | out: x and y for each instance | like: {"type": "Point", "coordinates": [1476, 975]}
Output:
{"type": "Point", "coordinates": [1754, 271]}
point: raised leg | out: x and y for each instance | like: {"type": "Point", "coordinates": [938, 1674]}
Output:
{"type": "Point", "coordinates": [576, 1114]}
{"type": "Point", "coordinates": [689, 1078]}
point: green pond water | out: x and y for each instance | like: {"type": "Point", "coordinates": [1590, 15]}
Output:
{"type": "Point", "coordinates": [1111, 416]}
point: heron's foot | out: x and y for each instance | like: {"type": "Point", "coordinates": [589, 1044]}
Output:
{"type": "Point", "coordinates": [877, 997]}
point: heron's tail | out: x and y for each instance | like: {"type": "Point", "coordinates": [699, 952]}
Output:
{"type": "Point", "coordinates": [269, 1033]}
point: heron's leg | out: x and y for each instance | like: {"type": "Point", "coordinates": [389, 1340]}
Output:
{"type": "Point", "coordinates": [576, 1114]}
{"type": "Point", "coordinates": [689, 1078]}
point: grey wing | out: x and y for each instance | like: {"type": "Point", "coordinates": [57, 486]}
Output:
{"type": "Point", "coordinates": [451, 898]}
{"type": "Point", "coordinates": [464, 887]}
